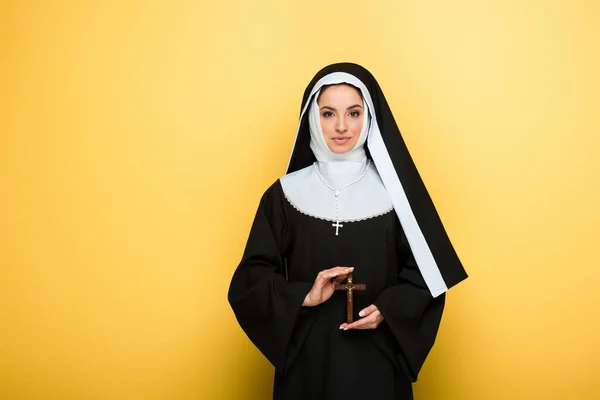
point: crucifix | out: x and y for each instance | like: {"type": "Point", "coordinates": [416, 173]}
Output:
{"type": "Point", "coordinates": [337, 226]}
{"type": "Point", "coordinates": [349, 287]}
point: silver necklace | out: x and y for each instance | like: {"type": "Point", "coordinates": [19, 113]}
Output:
{"type": "Point", "coordinates": [336, 193]}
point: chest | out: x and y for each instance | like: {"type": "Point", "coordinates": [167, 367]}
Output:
{"type": "Point", "coordinates": [368, 245]}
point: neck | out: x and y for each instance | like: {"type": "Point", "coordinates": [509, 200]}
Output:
{"type": "Point", "coordinates": [348, 169]}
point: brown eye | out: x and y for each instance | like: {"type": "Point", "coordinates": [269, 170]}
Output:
{"type": "Point", "coordinates": [354, 114]}
{"type": "Point", "coordinates": [327, 114]}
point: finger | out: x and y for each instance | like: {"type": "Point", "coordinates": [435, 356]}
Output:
{"type": "Point", "coordinates": [340, 278]}
{"type": "Point", "coordinates": [368, 322]}
{"type": "Point", "coordinates": [358, 324]}
{"type": "Point", "coordinates": [325, 275]}
{"type": "Point", "coordinates": [362, 326]}
{"type": "Point", "coordinates": [335, 272]}
{"type": "Point", "coordinates": [339, 270]}
{"type": "Point", "coordinates": [368, 310]}
{"type": "Point", "coordinates": [322, 279]}
{"type": "Point", "coordinates": [325, 278]}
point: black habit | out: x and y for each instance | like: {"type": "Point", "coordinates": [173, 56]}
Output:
{"type": "Point", "coordinates": [286, 249]}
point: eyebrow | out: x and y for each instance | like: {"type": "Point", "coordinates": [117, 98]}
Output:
{"type": "Point", "coordinates": [333, 109]}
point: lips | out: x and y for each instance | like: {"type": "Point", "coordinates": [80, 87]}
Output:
{"type": "Point", "coordinates": [341, 140]}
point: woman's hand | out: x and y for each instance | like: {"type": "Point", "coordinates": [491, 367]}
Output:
{"type": "Point", "coordinates": [323, 287]}
{"type": "Point", "coordinates": [371, 318]}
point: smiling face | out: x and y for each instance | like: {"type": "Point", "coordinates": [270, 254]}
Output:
{"type": "Point", "coordinates": [342, 115]}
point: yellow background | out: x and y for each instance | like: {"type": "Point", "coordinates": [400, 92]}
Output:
{"type": "Point", "coordinates": [136, 138]}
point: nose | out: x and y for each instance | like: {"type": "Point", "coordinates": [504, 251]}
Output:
{"type": "Point", "coordinates": [341, 125]}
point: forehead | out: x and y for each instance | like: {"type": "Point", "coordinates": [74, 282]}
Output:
{"type": "Point", "coordinates": [337, 78]}
{"type": "Point", "coordinates": [339, 92]}
{"type": "Point", "coordinates": [340, 87]}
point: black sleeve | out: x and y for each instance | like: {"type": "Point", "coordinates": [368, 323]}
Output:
{"type": "Point", "coordinates": [265, 304]}
{"type": "Point", "coordinates": [410, 312]}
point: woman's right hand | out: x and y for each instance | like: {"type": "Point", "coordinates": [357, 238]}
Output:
{"type": "Point", "coordinates": [323, 287]}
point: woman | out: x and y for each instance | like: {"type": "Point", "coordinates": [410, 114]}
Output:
{"type": "Point", "coordinates": [352, 205]}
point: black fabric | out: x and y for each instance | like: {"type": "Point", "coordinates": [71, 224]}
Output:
{"type": "Point", "coordinates": [312, 357]}
{"type": "Point", "coordinates": [423, 208]}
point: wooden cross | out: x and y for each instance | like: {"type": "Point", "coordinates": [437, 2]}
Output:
{"type": "Point", "coordinates": [337, 226]}
{"type": "Point", "coordinates": [349, 287]}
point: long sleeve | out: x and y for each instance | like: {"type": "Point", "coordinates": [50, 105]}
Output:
{"type": "Point", "coordinates": [410, 312]}
{"type": "Point", "coordinates": [265, 304]}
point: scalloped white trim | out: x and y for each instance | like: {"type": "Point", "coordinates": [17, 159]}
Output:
{"type": "Point", "coordinates": [333, 219]}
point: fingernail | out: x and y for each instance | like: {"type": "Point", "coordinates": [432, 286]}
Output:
{"type": "Point", "coordinates": [361, 314]}
{"type": "Point", "coordinates": [341, 327]}
{"type": "Point", "coordinates": [345, 329]}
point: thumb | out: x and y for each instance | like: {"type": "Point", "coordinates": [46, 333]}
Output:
{"type": "Point", "coordinates": [368, 310]}
{"type": "Point", "coordinates": [324, 279]}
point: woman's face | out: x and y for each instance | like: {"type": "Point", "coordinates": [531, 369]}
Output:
{"type": "Point", "coordinates": [341, 110]}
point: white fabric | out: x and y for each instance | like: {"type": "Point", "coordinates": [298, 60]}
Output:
{"type": "Point", "coordinates": [365, 199]}
{"type": "Point", "coordinates": [295, 183]}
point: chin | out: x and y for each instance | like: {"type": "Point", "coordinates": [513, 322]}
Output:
{"type": "Point", "coordinates": [341, 149]}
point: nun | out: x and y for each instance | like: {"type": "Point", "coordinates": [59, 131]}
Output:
{"type": "Point", "coordinates": [353, 214]}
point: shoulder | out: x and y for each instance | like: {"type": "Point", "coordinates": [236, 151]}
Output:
{"type": "Point", "coordinates": [293, 177]}
{"type": "Point", "coordinates": [273, 197]}
{"type": "Point", "coordinates": [276, 191]}
{"type": "Point", "coordinates": [298, 182]}
{"type": "Point", "coordinates": [272, 193]}
{"type": "Point", "coordinates": [296, 176]}
{"type": "Point", "coordinates": [277, 195]}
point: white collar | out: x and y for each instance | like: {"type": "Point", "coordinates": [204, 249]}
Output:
{"type": "Point", "coordinates": [308, 194]}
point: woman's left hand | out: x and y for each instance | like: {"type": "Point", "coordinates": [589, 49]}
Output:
{"type": "Point", "coordinates": [371, 318]}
